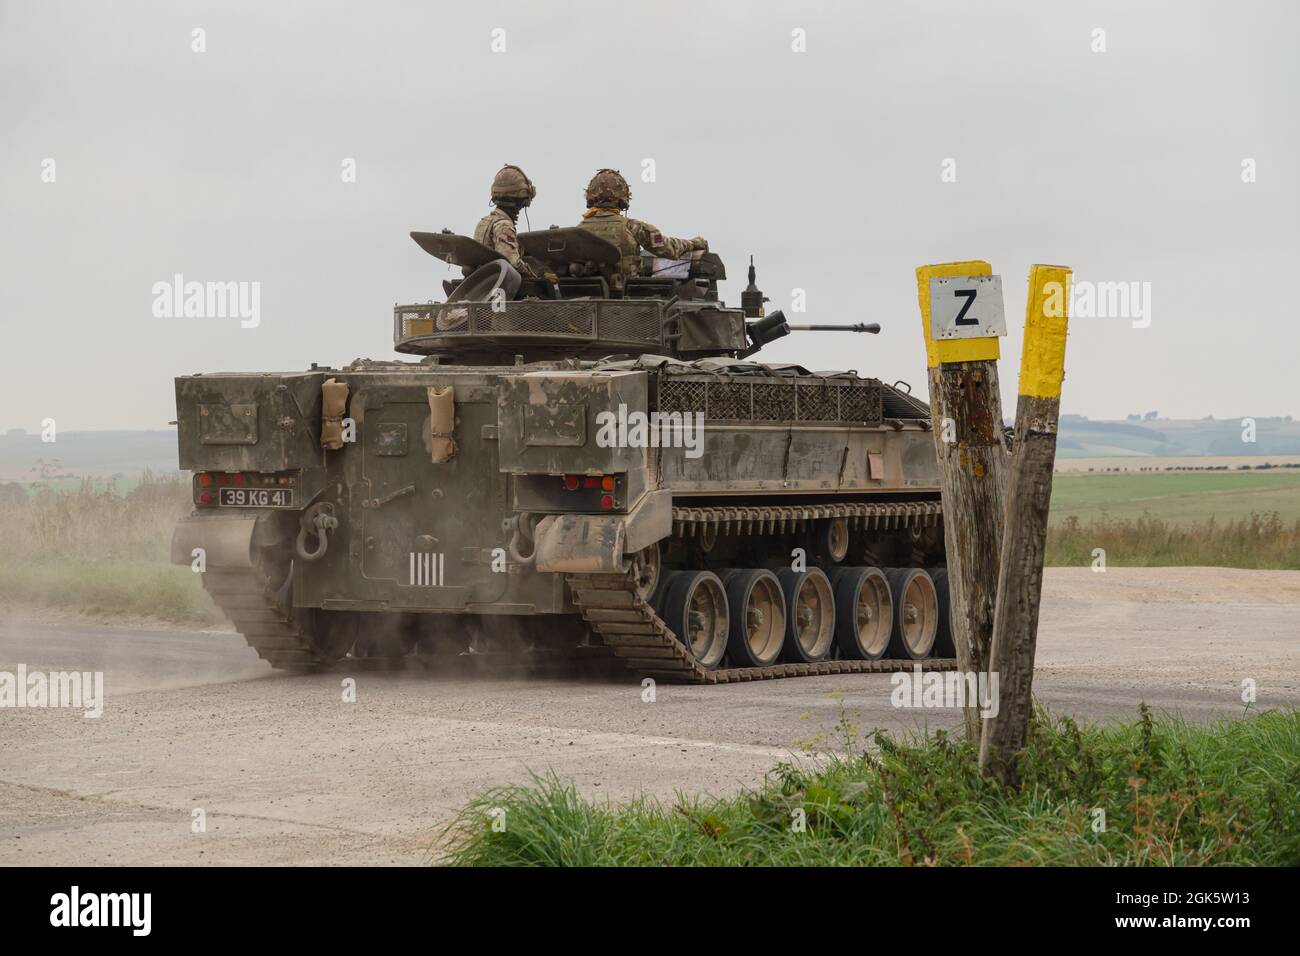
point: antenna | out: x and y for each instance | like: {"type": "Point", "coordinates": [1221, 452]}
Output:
{"type": "Point", "coordinates": [752, 299]}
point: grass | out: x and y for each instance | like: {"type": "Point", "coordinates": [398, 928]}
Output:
{"type": "Point", "coordinates": [101, 550]}
{"type": "Point", "coordinates": [123, 588]}
{"type": "Point", "coordinates": [1260, 541]}
{"type": "Point", "coordinates": [1186, 498]}
{"type": "Point", "coordinates": [1173, 794]}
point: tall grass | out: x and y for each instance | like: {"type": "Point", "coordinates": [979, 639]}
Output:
{"type": "Point", "coordinates": [1260, 541]}
{"type": "Point", "coordinates": [95, 520]}
{"type": "Point", "coordinates": [1172, 794]}
{"type": "Point", "coordinates": [93, 549]}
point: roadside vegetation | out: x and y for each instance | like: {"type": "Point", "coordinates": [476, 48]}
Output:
{"type": "Point", "coordinates": [1258, 541]}
{"type": "Point", "coordinates": [99, 550]}
{"type": "Point", "coordinates": [1172, 794]}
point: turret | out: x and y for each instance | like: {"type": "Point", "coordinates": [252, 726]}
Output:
{"type": "Point", "coordinates": [574, 306]}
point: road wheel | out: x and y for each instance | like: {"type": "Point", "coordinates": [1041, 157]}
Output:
{"type": "Point", "coordinates": [864, 613]}
{"type": "Point", "coordinates": [757, 617]}
{"type": "Point", "coordinates": [831, 539]}
{"type": "Point", "coordinates": [916, 613]}
{"type": "Point", "coordinates": [810, 615]}
{"type": "Point", "coordinates": [647, 567]}
{"type": "Point", "coordinates": [695, 608]}
{"type": "Point", "coordinates": [943, 642]}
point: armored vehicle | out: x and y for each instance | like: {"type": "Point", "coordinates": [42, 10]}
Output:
{"type": "Point", "coordinates": [585, 462]}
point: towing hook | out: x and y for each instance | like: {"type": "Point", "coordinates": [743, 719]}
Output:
{"type": "Point", "coordinates": [318, 521]}
{"type": "Point", "coordinates": [520, 529]}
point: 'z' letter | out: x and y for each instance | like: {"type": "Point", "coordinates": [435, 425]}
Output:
{"type": "Point", "coordinates": [970, 300]}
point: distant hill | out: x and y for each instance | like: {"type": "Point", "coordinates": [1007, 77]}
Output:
{"type": "Point", "coordinates": [24, 457]}
{"type": "Point", "coordinates": [1082, 437]}
{"type": "Point", "coordinates": [103, 454]}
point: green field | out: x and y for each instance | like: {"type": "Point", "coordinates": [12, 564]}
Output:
{"type": "Point", "coordinates": [118, 484]}
{"type": "Point", "coordinates": [102, 549]}
{"type": "Point", "coordinates": [1179, 498]}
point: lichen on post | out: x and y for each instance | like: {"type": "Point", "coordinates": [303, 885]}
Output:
{"type": "Point", "coordinates": [966, 414]}
{"type": "Point", "coordinates": [1029, 493]}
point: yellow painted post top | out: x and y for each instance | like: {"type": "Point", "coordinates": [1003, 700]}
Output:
{"type": "Point", "coordinates": [952, 350]}
{"type": "Point", "coordinates": [1042, 363]}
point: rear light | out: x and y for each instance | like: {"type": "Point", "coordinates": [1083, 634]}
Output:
{"type": "Point", "coordinates": [205, 499]}
{"type": "Point", "coordinates": [205, 479]}
{"type": "Point", "coordinates": [607, 483]}
{"type": "Point", "coordinates": [238, 479]}
{"type": "Point", "coordinates": [607, 502]}
{"type": "Point", "coordinates": [571, 482]}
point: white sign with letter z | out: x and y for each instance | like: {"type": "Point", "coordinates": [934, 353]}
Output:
{"type": "Point", "coordinates": [966, 307]}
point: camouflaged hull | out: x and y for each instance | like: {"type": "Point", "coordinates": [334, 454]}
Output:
{"type": "Point", "coordinates": [544, 504]}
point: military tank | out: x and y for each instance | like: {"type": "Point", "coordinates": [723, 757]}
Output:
{"type": "Point", "coordinates": [577, 462]}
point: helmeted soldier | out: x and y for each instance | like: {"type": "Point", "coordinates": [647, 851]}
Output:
{"type": "Point", "coordinates": [608, 197]}
{"type": "Point", "coordinates": [512, 190]}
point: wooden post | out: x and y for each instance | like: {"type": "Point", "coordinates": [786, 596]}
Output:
{"type": "Point", "coordinates": [1029, 493]}
{"type": "Point", "coordinates": [966, 414]}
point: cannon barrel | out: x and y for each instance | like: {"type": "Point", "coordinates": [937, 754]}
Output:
{"type": "Point", "coordinates": [873, 328]}
{"type": "Point", "coordinates": [772, 327]}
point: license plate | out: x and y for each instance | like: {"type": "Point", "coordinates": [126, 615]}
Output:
{"type": "Point", "coordinates": [257, 497]}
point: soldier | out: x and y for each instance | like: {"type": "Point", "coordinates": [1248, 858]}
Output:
{"type": "Point", "coordinates": [512, 190]}
{"type": "Point", "coordinates": [608, 197]}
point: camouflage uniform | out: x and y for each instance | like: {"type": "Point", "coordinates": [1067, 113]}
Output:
{"type": "Point", "coordinates": [512, 190]}
{"type": "Point", "coordinates": [633, 235]}
{"type": "Point", "coordinates": [608, 196]}
{"type": "Point", "coordinates": [497, 231]}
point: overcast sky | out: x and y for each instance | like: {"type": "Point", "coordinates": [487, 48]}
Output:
{"type": "Point", "coordinates": [826, 165]}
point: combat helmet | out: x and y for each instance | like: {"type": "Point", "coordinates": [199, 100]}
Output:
{"type": "Point", "coordinates": [512, 183]}
{"type": "Point", "coordinates": [608, 188]}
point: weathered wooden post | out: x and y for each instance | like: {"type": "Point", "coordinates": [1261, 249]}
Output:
{"type": "Point", "coordinates": [1029, 493]}
{"type": "Point", "coordinates": [965, 300]}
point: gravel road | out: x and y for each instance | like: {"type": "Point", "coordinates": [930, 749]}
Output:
{"type": "Point", "coordinates": [286, 772]}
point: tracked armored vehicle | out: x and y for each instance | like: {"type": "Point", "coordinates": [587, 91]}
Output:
{"type": "Point", "coordinates": [580, 463]}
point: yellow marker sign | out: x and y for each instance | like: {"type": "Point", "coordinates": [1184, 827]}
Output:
{"type": "Point", "coordinates": [952, 350]}
{"type": "Point", "coordinates": [1042, 363]}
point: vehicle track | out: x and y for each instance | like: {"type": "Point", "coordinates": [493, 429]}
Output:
{"type": "Point", "coordinates": [609, 603]}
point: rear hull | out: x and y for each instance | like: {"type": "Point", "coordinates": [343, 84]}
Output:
{"type": "Point", "coordinates": [491, 532]}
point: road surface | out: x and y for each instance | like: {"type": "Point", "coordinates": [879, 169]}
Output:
{"type": "Point", "coordinates": [286, 772]}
